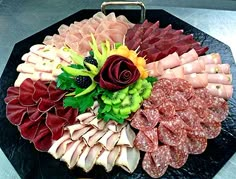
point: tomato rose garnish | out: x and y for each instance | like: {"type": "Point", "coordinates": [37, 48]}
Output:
{"type": "Point", "coordinates": [117, 73]}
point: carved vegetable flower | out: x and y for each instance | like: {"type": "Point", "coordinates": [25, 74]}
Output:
{"type": "Point", "coordinates": [117, 73]}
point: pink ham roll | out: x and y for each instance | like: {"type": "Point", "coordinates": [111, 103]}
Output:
{"type": "Point", "coordinates": [189, 56]}
{"type": "Point", "coordinates": [220, 78]}
{"type": "Point", "coordinates": [155, 69]}
{"type": "Point", "coordinates": [170, 61]}
{"type": "Point", "coordinates": [223, 91]}
{"type": "Point", "coordinates": [197, 80]}
{"type": "Point", "coordinates": [217, 68]}
{"type": "Point", "coordinates": [197, 66]}
{"type": "Point", "coordinates": [213, 58]}
{"type": "Point", "coordinates": [173, 73]}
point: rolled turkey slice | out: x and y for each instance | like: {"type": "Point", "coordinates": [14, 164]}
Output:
{"type": "Point", "coordinates": [155, 68]}
{"type": "Point", "coordinates": [224, 79]}
{"type": "Point", "coordinates": [45, 51]}
{"type": "Point", "coordinates": [197, 80]}
{"type": "Point", "coordinates": [88, 120]}
{"type": "Point", "coordinates": [109, 140]}
{"type": "Point", "coordinates": [78, 133]}
{"type": "Point", "coordinates": [217, 68]}
{"type": "Point", "coordinates": [177, 72]}
{"type": "Point", "coordinates": [128, 158]}
{"type": "Point", "coordinates": [98, 123]}
{"type": "Point", "coordinates": [189, 56]}
{"type": "Point", "coordinates": [213, 58]}
{"type": "Point", "coordinates": [219, 90]}
{"type": "Point", "coordinates": [127, 137]}
{"type": "Point", "coordinates": [84, 116]}
{"type": "Point", "coordinates": [58, 147]}
{"type": "Point", "coordinates": [26, 68]}
{"type": "Point", "coordinates": [108, 158]}
{"type": "Point", "coordinates": [89, 134]}
{"type": "Point", "coordinates": [74, 128]}
{"type": "Point", "coordinates": [94, 139]}
{"type": "Point", "coordinates": [72, 154]}
{"type": "Point", "coordinates": [170, 61]}
{"type": "Point", "coordinates": [43, 76]}
{"type": "Point", "coordinates": [63, 54]}
{"type": "Point", "coordinates": [197, 66]}
{"type": "Point", "coordinates": [31, 58]}
{"type": "Point", "coordinates": [88, 158]}
{"type": "Point", "coordinates": [115, 127]}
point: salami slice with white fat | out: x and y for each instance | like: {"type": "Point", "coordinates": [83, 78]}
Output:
{"type": "Point", "coordinates": [165, 85]}
{"type": "Point", "coordinates": [196, 144]}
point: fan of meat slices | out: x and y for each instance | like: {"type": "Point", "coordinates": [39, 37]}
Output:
{"type": "Point", "coordinates": [79, 95]}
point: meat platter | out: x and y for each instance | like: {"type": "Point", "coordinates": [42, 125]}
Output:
{"type": "Point", "coordinates": [30, 163]}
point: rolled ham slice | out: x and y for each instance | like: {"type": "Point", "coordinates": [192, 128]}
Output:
{"type": "Point", "coordinates": [107, 158]}
{"type": "Point", "coordinates": [26, 68]}
{"type": "Point", "coordinates": [219, 90]}
{"type": "Point", "coordinates": [89, 134]}
{"type": "Point", "coordinates": [127, 137]}
{"type": "Point", "coordinates": [88, 158]}
{"type": "Point", "coordinates": [197, 80]}
{"type": "Point", "coordinates": [155, 69]}
{"type": "Point", "coordinates": [189, 56]}
{"type": "Point", "coordinates": [94, 139]}
{"type": "Point", "coordinates": [128, 158]}
{"type": "Point", "coordinates": [213, 58]}
{"type": "Point", "coordinates": [197, 66]}
{"type": "Point", "coordinates": [170, 61]}
{"type": "Point", "coordinates": [115, 127]}
{"type": "Point", "coordinates": [225, 79]}
{"type": "Point", "coordinates": [31, 58]}
{"type": "Point", "coordinates": [78, 133]}
{"type": "Point", "coordinates": [177, 72]}
{"type": "Point", "coordinates": [217, 68]}
{"type": "Point", "coordinates": [84, 116]}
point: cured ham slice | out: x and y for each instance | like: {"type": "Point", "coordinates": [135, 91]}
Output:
{"type": "Point", "coordinates": [197, 66]}
{"type": "Point", "coordinates": [173, 73]}
{"type": "Point", "coordinates": [170, 61]}
{"type": "Point", "coordinates": [94, 139]}
{"type": "Point", "coordinates": [115, 127]}
{"type": "Point", "coordinates": [219, 90]}
{"type": "Point", "coordinates": [26, 68]}
{"type": "Point", "coordinates": [31, 58]}
{"type": "Point", "coordinates": [213, 58]}
{"type": "Point", "coordinates": [128, 159]}
{"type": "Point", "coordinates": [72, 154]}
{"type": "Point", "coordinates": [89, 134]}
{"type": "Point", "coordinates": [155, 68]}
{"type": "Point", "coordinates": [78, 133]}
{"type": "Point", "coordinates": [88, 158]}
{"type": "Point", "coordinates": [197, 80]}
{"type": "Point", "coordinates": [217, 68]}
{"type": "Point", "coordinates": [127, 137]}
{"type": "Point", "coordinates": [189, 56]}
{"type": "Point", "coordinates": [225, 79]}
{"type": "Point", "coordinates": [108, 158]}
{"type": "Point", "coordinates": [84, 116]}
{"type": "Point", "coordinates": [59, 146]}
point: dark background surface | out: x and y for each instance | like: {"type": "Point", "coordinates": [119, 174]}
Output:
{"type": "Point", "coordinates": [32, 164]}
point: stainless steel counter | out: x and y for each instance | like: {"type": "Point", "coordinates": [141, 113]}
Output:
{"type": "Point", "coordinates": [19, 20]}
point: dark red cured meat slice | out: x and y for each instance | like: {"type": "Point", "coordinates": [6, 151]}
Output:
{"type": "Point", "coordinates": [43, 140]}
{"type": "Point", "coordinates": [199, 106]}
{"type": "Point", "coordinates": [26, 92]}
{"type": "Point", "coordinates": [56, 125]}
{"type": "Point", "coordinates": [190, 117]}
{"type": "Point", "coordinates": [167, 109]}
{"type": "Point", "coordinates": [12, 93]}
{"type": "Point", "coordinates": [196, 144]}
{"type": "Point", "coordinates": [220, 108]}
{"type": "Point", "coordinates": [15, 112]}
{"type": "Point", "coordinates": [40, 90]}
{"type": "Point", "coordinates": [183, 86]}
{"type": "Point", "coordinates": [67, 113]}
{"type": "Point", "coordinates": [179, 101]}
{"type": "Point", "coordinates": [145, 119]}
{"type": "Point", "coordinates": [33, 113]}
{"type": "Point", "coordinates": [28, 129]}
{"type": "Point", "coordinates": [204, 94]}
{"type": "Point", "coordinates": [169, 137]}
{"type": "Point", "coordinates": [157, 98]}
{"type": "Point", "coordinates": [149, 166]}
{"type": "Point", "coordinates": [45, 105]}
{"type": "Point", "coordinates": [165, 85]}
{"type": "Point", "coordinates": [151, 29]}
{"type": "Point", "coordinates": [147, 140]}
{"type": "Point", "coordinates": [55, 93]}
{"type": "Point", "coordinates": [211, 130]}
{"type": "Point", "coordinates": [174, 123]}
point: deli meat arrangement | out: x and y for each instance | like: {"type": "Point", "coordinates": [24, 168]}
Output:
{"type": "Point", "coordinates": [104, 91]}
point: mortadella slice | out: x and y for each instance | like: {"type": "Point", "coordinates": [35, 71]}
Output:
{"type": "Point", "coordinates": [213, 58]}
{"type": "Point", "coordinates": [155, 68]}
{"type": "Point", "coordinates": [170, 61]}
{"type": "Point", "coordinates": [219, 90]}
{"type": "Point", "coordinates": [220, 78]}
{"type": "Point", "coordinates": [217, 68]}
{"type": "Point", "coordinates": [197, 66]}
{"type": "Point", "coordinates": [189, 56]}
{"type": "Point", "coordinates": [197, 80]}
{"type": "Point", "coordinates": [177, 72]}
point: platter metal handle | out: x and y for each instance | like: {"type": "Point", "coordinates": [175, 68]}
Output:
{"type": "Point", "coordinates": [122, 3]}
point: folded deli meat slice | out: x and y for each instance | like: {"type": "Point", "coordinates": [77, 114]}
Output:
{"type": "Point", "coordinates": [127, 137]}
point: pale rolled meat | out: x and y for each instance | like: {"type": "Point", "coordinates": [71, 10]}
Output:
{"type": "Point", "coordinates": [89, 134]}
{"type": "Point", "coordinates": [112, 141]}
{"type": "Point", "coordinates": [128, 158]}
{"type": "Point", "coordinates": [64, 55]}
{"type": "Point", "coordinates": [74, 128]}
{"type": "Point", "coordinates": [170, 61]}
{"type": "Point", "coordinates": [217, 68]}
{"type": "Point", "coordinates": [26, 68]}
{"type": "Point", "coordinates": [31, 58]}
{"type": "Point", "coordinates": [213, 58]}
{"type": "Point", "coordinates": [78, 133]}
{"type": "Point", "coordinates": [108, 158]}
{"type": "Point", "coordinates": [220, 78]}
{"type": "Point", "coordinates": [58, 147]}
{"type": "Point", "coordinates": [21, 77]}
{"type": "Point", "coordinates": [177, 72]}
{"type": "Point", "coordinates": [94, 139]}
{"type": "Point", "coordinates": [197, 66]}
{"type": "Point", "coordinates": [197, 80]}
{"type": "Point", "coordinates": [115, 127]}
{"type": "Point", "coordinates": [127, 137]}
{"type": "Point", "coordinates": [189, 57]}
{"type": "Point", "coordinates": [219, 90]}
{"type": "Point", "coordinates": [43, 76]}
{"type": "Point", "coordinates": [45, 51]}
{"type": "Point", "coordinates": [155, 69]}
{"type": "Point", "coordinates": [84, 116]}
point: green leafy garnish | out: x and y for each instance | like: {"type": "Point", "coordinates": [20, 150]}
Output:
{"type": "Point", "coordinates": [151, 79]}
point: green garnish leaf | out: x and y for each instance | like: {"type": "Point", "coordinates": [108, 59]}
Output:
{"type": "Point", "coordinates": [91, 53]}
{"type": "Point", "coordinates": [66, 82]}
{"type": "Point", "coordinates": [117, 45]}
{"type": "Point", "coordinates": [151, 79]}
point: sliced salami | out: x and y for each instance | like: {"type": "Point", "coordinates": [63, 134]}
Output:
{"type": "Point", "coordinates": [196, 144]}
{"type": "Point", "coordinates": [167, 109]}
{"type": "Point", "coordinates": [199, 106]}
{"type": "Point", "coordinates": [168, 137]}
{"type": "Point", "coordinates": [157, 98]}
{"type": "Point", "coordinates": [179, 155]}
{"type": "Point", "coordinates": [211, 130]}
{"type": "Point", "coordinates": [165, 85]}
{"type": "Point", "coordinates": [220, 108]}
{"type": "Point", "coordinates": [204, 94]}
{"type": "Point", "coordinates": [174, 123]}
{"type": "Point", "coordinates": [179, 101]}
{"type": "Point", "coordinates": [183, 86]}
{"type": "Point", "coordinates": [147, 140]}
